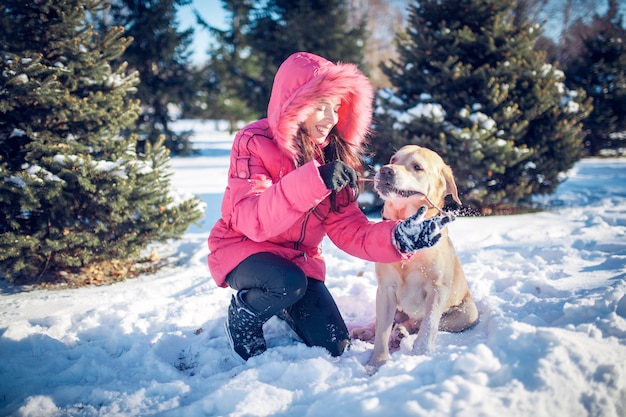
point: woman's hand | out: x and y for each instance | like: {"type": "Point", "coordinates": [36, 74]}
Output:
{"type": "Point", "coordinates": [415, 232]}
{"type": "Point", "coordinates": [337, 175]}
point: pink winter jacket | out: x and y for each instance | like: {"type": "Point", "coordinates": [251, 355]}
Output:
{"type": "Point", "coordinates": [270, 205]}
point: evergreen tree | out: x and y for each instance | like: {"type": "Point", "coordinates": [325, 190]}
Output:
{"type": "Point", "coordinates": [226, 89]}
{"type": "Point", "coordinates": [264, 34]}
{"type": "Point", "coordinates": [469, 85]}
{"type": "Point", "coordinates": [601, 71]}
{"type": "Point", "coordinates": [283, 27]}
{"type": "Point", "coordinates": [161, 54]}
{"type": "Point", "coordinates": [73, 191]}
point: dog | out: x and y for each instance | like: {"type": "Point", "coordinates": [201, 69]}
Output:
{"type": "Point", "coordinates": [428, 292]}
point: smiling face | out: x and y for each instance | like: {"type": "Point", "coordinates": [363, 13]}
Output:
{"type": "Point", "coordinates": [326, 115]}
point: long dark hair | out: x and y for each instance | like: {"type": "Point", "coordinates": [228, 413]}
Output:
{"type": "Point", "coordinates": [336, 149]}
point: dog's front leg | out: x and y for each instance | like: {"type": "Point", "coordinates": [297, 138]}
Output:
{"type": "Point", "coordinates": [385, 312]}
{"type": "Point", "coordinates": [435, 303]}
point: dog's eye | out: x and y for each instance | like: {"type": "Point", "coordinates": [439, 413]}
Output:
{"type": "Point", "coordinates": [416, 167]}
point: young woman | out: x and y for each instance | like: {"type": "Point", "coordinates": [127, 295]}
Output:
{"type": "Point", "coordinates": [293, 180]}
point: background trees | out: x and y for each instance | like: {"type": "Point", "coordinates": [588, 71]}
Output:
{"type": "Point", "coordinates": [229, 74]}
{"type": "Point", "coordinates": [245, 57]}
{"type": "Point", "coordinates": [469, 84]}
{"type": "Point", "coordinates": [600, 69]}
{"type": "Point", "coordinates": [160, 53]}
{"type": "Point", "coordinates": [73, 190]}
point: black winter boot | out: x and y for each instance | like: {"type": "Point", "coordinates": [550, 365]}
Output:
{"type": "Point", "coordinates": [244, 329]}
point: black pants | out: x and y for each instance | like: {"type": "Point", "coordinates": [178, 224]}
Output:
{"type": "Point", "coordinates": [272, 285]}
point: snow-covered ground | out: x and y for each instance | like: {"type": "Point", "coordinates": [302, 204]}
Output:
{"type": "Point", "coordinates": [551, 341]}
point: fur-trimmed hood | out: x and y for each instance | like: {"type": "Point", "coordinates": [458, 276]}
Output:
{"type": "Point", "coordinates": [301, 82]}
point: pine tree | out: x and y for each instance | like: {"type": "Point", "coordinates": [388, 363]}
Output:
{"type": "Point", "coordinates": [161, 54]}
{"type": "Point", "coordinates": [283, 27]}
{"type": "Point", "coordinates": [469, 85]}
{"type": "Point", "coordinates": [73, 191]}
{"type": "Point", "coordinates": [600, 70]}
{"type": "Point", "coordinates": [226, 90]}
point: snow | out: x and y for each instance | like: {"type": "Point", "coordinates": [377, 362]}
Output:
{"type": "Point", "coordinates": [20, 79]}
{"type": "Point", "coordinates": [551, 341]}
{"type": "Point", "coordinates": [432, 111]}
{"type": "Point", "coordinates": [482, 120]}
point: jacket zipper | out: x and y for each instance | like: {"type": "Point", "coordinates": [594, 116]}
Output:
{"type": "Point", "coordinates": [303, 232]}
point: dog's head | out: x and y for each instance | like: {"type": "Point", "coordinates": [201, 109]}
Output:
{"type": "Point", "coordinates": [414, 176]}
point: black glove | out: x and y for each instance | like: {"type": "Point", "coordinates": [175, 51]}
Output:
{"type": "Point", "coordinates": [415, 232]}
{"type": "Point", "coordinates": [337, 175]}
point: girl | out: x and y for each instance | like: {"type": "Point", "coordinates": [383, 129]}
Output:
{"type": "Point", "coordinates": [292, 181]}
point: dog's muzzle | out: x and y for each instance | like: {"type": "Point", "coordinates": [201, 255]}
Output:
{"type": "Point", "coordinates": [384, 184]}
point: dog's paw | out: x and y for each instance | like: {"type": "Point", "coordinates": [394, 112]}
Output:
{"type": "Point", "coordinates": [373, 366]}
{"type": "Point", "coordinates": [398, 333]}
{"type": "Point", "coordinates": [422, 346]}
{"type": "Point", "coordinates": [364, 333]}
{"type": "Point", "coordinates": [376, 361]}
{"type": "Point", "coordinates": [371, 369]}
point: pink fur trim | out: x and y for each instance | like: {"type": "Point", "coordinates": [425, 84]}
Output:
{"type": "Point", "coordinates": [304, 79]}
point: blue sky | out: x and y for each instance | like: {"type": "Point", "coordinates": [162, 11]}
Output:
{"type": "Point", "coordinates": [212, 12]}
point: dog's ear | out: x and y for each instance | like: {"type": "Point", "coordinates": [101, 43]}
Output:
{"type": "Point", "coordinates": [450, 184]}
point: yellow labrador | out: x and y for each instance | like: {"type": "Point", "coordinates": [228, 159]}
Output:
{"type": "Point", "coordinates": [428, 292]}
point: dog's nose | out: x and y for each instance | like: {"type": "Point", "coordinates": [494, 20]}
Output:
{"type": "Point", "coordinates": [387, 172]}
